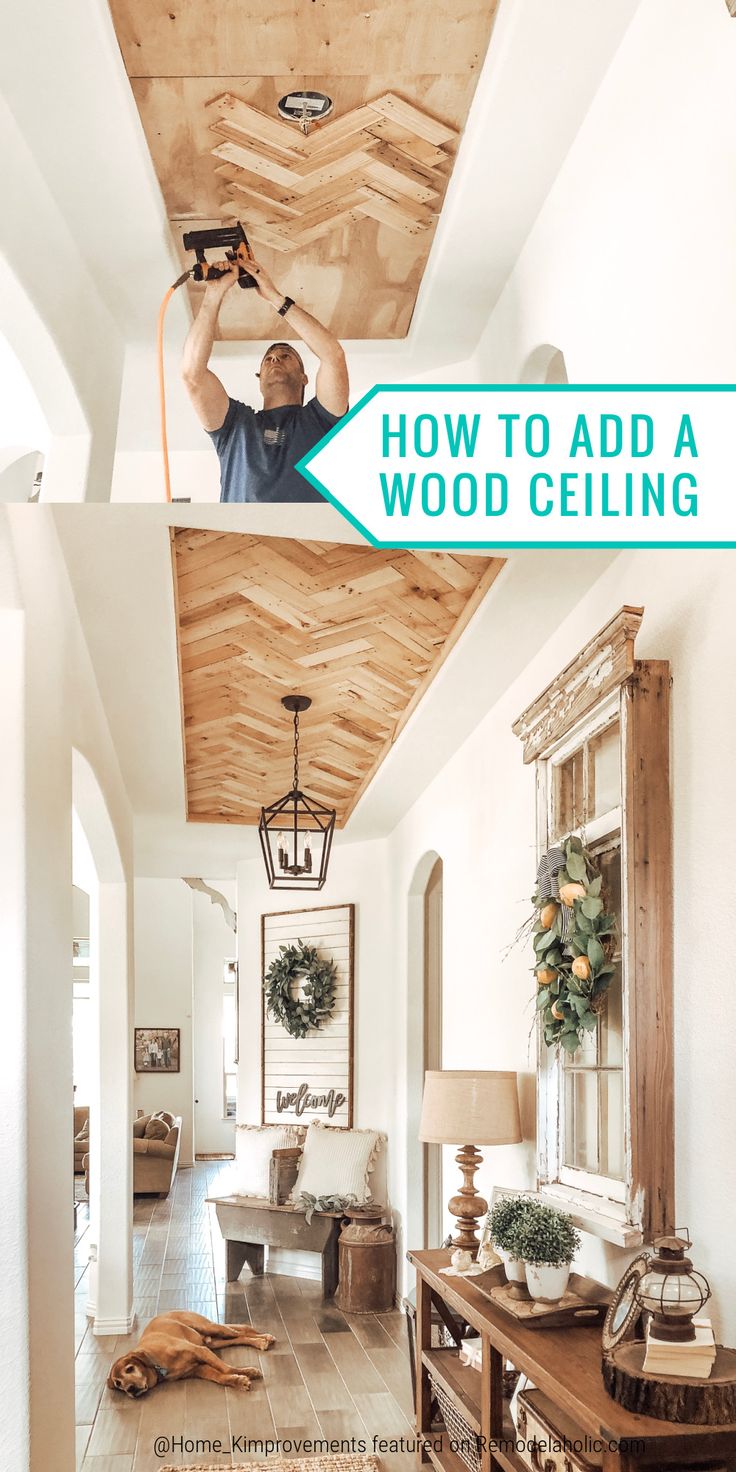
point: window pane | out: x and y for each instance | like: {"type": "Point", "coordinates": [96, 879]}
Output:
{"type": "Point", "coordinates": [228, 1030]}
{"type": "Point", "coordinates": [581, 1121]}
{"type": "Point", "coordinates": [609, 863]}
{"type": "Point", "coordinates": [610, 1024]}
{"type": "Point", "coordinates": [568, 795]}
{"type": "Point", "coordinates": [230, 1095]}
{"type": "Point", "coordinates": [604, 772]}
{"type": "Point", "coordinates": [611, 1087]}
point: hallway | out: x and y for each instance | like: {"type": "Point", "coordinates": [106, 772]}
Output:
{"type": "Point", "coordinates": [326, 1376]}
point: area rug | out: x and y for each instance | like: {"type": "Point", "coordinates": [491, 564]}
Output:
{"type": "Point", "coordinates": [286, 1464]}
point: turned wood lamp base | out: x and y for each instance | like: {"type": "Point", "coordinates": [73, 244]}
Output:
{"type": "Point", "coordinates": [468, 1206]}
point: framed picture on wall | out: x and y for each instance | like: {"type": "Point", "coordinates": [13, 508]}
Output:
{"type": "Point", "coordinates": [156, 1050]}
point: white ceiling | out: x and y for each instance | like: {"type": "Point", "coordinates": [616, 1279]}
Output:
{"type": "Point", "coordinates": [119, 563]}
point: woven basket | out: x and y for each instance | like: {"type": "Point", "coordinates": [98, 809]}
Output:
{"type": "Point", "coordinates": [465, 1442]}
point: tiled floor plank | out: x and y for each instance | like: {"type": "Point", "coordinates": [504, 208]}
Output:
{"type": "Point", "coordinates": [329, 1375]}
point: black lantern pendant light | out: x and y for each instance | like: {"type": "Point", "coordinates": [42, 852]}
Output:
{"type": "Point", "coordinates": [296, 832]}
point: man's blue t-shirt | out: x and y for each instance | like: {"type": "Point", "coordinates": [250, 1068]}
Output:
{"type": "Point", "coordinates": [258, 450]}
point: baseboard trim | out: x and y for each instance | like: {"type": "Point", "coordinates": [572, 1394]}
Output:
{"type": "Point", "coordinates": [115, 1326]}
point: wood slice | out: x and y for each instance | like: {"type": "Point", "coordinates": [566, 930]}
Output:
{"type": "Point", "coordinates": [710, 1402]}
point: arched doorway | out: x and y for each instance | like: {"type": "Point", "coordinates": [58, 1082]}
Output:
{"type": "Point", "coordinates": [545, 365]}
{"type": "Point", "coordinates": [98, 871]}
{"type": "Point", "coordinates": [424, 1211]}
{"type": "Point", "coordinates": [40, 408]}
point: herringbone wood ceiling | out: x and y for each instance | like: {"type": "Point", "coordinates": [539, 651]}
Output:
{"type": "Point", "coordinates": [363, 632]}
{"type": "Point", "coordinates": [346, 231]}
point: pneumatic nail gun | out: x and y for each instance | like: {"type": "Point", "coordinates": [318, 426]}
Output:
{"type": "Point", "coordinates": [231, 239]}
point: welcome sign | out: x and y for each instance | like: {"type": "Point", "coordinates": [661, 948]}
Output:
{"type": "Point", "coordinates": [312, 1077]}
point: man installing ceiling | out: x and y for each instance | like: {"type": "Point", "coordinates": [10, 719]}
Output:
{"type": "Point", "coordinates": [258, 449]}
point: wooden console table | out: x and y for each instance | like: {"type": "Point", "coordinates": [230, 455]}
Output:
{"type": "Point", "coordinates": [563, 1363]}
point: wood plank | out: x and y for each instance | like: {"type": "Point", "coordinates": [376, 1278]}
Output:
{"type": "Point", "coordinates": [397, 110]}
{"type": "Point", "coordinates": [390, 212]}
{"type": "Point", "coordinates": [252, 123]}
{"type": "Point", "coordinates": [649, 943]}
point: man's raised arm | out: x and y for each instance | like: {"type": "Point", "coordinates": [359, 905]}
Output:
{"type": "Point", "coordinates": [208, 396]}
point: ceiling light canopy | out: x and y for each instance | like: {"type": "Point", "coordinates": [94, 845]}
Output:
{"type": "Point", "coordinates": [296, 831]}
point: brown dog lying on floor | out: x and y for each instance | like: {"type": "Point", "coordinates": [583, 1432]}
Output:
{"type": "Point", "coordinates": [178, 1346]}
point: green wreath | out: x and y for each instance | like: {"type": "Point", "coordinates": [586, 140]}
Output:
{"type": "Point", "coordinates": [300, 1014]}
{"type": "Point", "coordinates": [573, 942]}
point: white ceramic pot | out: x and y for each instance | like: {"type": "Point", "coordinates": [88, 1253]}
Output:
{"type": "Point", "coordinates": [547, 1283]}
{"type": "Point", "coordinates": [514, 1267]}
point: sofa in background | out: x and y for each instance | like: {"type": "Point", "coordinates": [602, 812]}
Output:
{"type": "Point", "coordinates": [81, 1136]}
{"type": "Point", "coordinates": [156, 1139]}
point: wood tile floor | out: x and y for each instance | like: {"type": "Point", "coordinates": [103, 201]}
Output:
{"type": "Point", "coordinates": [328, 1375]}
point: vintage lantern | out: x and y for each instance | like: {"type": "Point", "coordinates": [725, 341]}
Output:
{"type": "Point", "coordinates": [672, 1291]}
{"type": "Point", "coordinates": [296, 831]}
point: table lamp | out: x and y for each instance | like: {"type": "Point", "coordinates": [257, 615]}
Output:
{"type": "Point", "coordinates": [459, 1105]}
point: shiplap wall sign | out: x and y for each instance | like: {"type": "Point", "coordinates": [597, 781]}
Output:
{"type": "Point", "coordinates": [312, 1077]}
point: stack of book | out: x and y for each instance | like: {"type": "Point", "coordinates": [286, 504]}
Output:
{"type": "Point", "coordinates": [693, 1359]}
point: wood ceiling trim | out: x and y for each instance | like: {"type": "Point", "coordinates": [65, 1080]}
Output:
{"type": "Point", "coordinates": [372, 630]}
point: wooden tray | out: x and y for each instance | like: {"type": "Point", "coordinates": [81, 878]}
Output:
{"type": "Point", "coordinates": [583, 1303]}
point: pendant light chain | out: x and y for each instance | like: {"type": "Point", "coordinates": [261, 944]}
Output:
{"type": "Point", "coordinates": [296, 751]}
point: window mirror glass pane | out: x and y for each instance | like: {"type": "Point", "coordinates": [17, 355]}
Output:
{"type": "Point", "coordinates": [610, 1025]}
{"type": "Point", "coordinates": [581, 1120]}
{"type": "Point", "coordinates": [568, 805]}
{"type": "Point", "coordinates": [611, 1101]}
{"type": "Point", "coordinates": [604, 772]}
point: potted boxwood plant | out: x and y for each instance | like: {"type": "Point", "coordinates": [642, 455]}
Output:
{"type": "Point", "coordinates": [503, 1221]}
{"type": "Point", "coordinates": [547, 1241]}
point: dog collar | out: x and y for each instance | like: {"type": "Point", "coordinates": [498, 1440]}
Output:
{"type": "Point", "coordinates": [160, 1371]}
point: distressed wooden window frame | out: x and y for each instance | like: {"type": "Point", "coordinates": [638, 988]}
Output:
{"type": "Point", "coordinates": [603, 683]}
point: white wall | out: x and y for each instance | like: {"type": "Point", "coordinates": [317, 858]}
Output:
{"type": "Point", "coordinates": [57, 708]}
{"type": "Point", "coordinates": [624, 268]}
{"type": "Point", "coordinates": [163, 995]}
{"type": "Point", "coordinates": [479, 816]}
{"type": "Point", "coordinates": [213, 943]}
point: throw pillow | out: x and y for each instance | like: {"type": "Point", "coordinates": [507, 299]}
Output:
{"type": "Point", "coordinates": [156, 1129]}
{"type": "Point", "coordinates": [337, 1162]}
{"type": "Point", "coordinates": [253, 1147]}
{"type": "Point", "coordinates": [139, 1127]}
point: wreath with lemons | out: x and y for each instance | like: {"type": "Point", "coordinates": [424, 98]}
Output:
{"type": "Point", "coordinates": [574, 939]}
{"type": "Point", "coordinates": [299, 1013]}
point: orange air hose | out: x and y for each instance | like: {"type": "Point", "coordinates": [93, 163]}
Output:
{"type": "Point", "coordinates": [161, 378]}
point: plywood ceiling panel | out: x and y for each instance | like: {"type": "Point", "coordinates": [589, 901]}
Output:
{"type": "Point", "coordinates": [358, 258]}
{"type": "Point", "coordinates": [363, 632]}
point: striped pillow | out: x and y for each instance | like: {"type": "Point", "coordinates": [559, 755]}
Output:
{"type": "Point", "coordinates": [253, 1148]}
{"type": "Point", "coordinates": [337, 1162]}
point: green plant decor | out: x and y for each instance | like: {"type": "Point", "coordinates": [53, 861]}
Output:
{"type": "Point", "coordinates": [299, 1014]}
{"type": "Point", "coordinates": [325, 1203]}
{"type": "Point", "coordinates": [504, 1219]}
{"type": "Point", "coordinates": [546, 1237]}
{"type": "Point", "coordinates": [573, 940]}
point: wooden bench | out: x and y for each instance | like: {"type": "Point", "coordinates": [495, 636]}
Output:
{"type": "Point", "coordinates": [249, 1224]}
